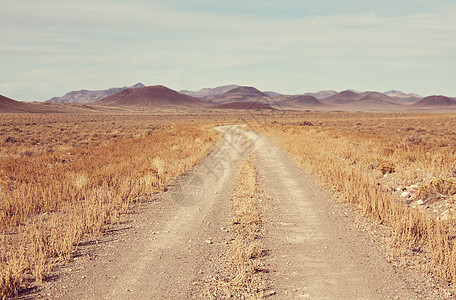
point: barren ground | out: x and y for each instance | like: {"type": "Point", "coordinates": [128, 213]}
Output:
{"type": "Point", "coordinates": [169, 246]}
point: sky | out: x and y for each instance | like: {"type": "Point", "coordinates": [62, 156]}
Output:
{"type": "Point", "coordinates": [51, 47]}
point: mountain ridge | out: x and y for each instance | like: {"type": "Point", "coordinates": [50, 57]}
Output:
{"type": "Point", "coordinates": [150, 96]}
{"type": "Point", "coordinates": [88, 96]}
{"type": "Point", "coordinates": [351, 98]}
{"type": "Point", "coordinates": [436, 100]}
{"type": "Point", "coordinates": [205, 93]}
{"type": "Point", "coordinates": [242, 94]}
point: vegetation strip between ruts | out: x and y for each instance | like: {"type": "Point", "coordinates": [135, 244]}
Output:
{"type": "Point", "coordinates": [243, 278]}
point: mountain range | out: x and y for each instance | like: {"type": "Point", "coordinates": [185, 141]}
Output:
{"type": "Point", "coordinates": [225, 97]}
{"type": "Point", "coordinates": [237, 93]}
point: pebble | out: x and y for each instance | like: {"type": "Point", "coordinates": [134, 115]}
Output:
{"type": "Point", "coordinates": [209, 241]}
{"type": "Point", "coordinates": [420, 202]}
{"type": "Point", "coordinates": [405, 195]}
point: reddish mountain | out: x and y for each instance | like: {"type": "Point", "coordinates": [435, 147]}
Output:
{"type": "Point", "coordinates": [343, 97]}
{"type": "Point", "coordinates": [8, 105]}
{"type": "Point", "coordinates": [245, 105]}
{"type": "Point", "coordinates": [375, 98]}
{"type": "Point", "coordinates": [246, 90]}
{"type": "Point", "coordinates": [436, 101]}
{"type": "Point", "coordinates": [242, 94]}
{"type": "Point", "coordinates": [151, 96]}
{"type": "Point", "coordinates": [301, 101]}
{"type": "Point", "coordinates": [369, 99]}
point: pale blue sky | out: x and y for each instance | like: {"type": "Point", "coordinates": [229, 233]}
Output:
{"type": "Point", "coordinates": [50, 47]}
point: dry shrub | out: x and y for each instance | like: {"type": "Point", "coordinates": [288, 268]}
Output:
{"type": "Point", "coordinates": [440, 187]}
{"type": "Point", "coordinates": [386, 168]}
{"type": "Point", "coordinates": [12, 268]}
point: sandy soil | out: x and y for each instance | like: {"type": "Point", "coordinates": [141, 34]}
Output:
{"type": "Point", "coordinates": [167, 247]}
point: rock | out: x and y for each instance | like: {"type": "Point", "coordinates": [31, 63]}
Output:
{"type": "Point", "coordinates": [419, 202]}
{"type": "Point", "coordinates": [209, 241]}
{"type": "Point", "coordinates": [413, 188]}
{"type": "Point", "coordinates": [405, 195]}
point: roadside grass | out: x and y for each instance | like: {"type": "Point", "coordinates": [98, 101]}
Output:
{"type": "Point", "coordinates": [244, 279]}
{"type": "Point", "coordinates": [51, 199]}
{"type": "Point", "coordinates": [368, 157]}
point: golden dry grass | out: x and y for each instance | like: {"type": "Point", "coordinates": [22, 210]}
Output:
{"type": "Point", "coordinates": [67, 185]}
{"type": "Point", "coordinates": [244, 280]}
{"type": "Point", "coordinates": [367, 158]}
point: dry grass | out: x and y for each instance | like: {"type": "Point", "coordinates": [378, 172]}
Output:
{"type": "Point", "coordinates": [78, 182]}
{"type": "Point", "coordinates": [440, 187]}
{"type": "Point", "coordinates": [370, 159]}
{"type": "Point", "coordinates": [244, 280]}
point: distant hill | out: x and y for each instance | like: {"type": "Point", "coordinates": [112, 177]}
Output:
{"type": "Point", "coordinates": [300, 101]}
{"type": "Point", "coordinates": [207, 93]}
{"type": "Point", "coordinates": [86, 96]}
{"type": "Point", "coordinates": [8, 105]}
{"type": "Point", "coordinates": [436, 101]}
{"type": "Point", "coordinates": [343, 97]}
{"type": "Point", "coordinates": [245, 105]}
{"type": "Point", "coordinates": [403, 97]}
{"type": "Point", "coordinates": [322, 94]}
{"type": "Point", "coordinates": [242, 94]}
{"type": "Point", "coordinates": [376, 98]}
{"type": "Point", "coordinates": [157, 96]}
{"type": "Point", "coordinates": [368, 99]}
{"type": "Point", "coordinates": [272, 94]}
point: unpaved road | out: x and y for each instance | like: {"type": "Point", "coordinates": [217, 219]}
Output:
{"type": "Point", "coordinates": [169, 246]}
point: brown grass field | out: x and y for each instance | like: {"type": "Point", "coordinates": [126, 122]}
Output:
{"type": "Point", "coordinates": [67, 176]}
{"type": "Point", "coordinates": [399, 169]}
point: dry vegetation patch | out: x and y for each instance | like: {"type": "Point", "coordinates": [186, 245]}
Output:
{"type": "Point", "coordinates": [243, 279]}
{"type": "Point", "coordinates": [63, 177]}
{"type": "Point", "coordinates": [398, 168]}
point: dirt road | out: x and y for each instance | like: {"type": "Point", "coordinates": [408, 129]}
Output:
{"type": "Point", "coordinates": [169, 247]}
